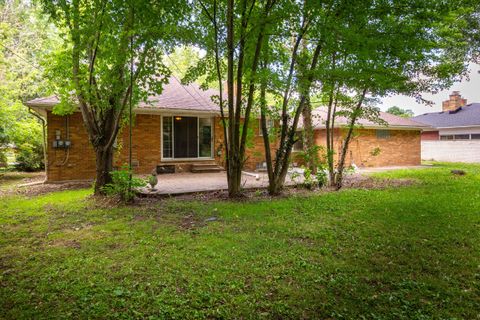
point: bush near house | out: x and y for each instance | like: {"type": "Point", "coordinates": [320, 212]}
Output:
{"type": "Point", "coordinates": [397, 253]}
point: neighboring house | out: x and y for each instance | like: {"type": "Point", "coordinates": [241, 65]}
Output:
{"type": "Point", "coordinates": [454, 133]}
{"type": "Point", "coordinates": [181, 130]}
{"type": "Point", "coordinates": [374, 145]}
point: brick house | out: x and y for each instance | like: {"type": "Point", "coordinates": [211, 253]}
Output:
{"type": "Point", "coordinates": [373, 144]}
{"type": "Point", "coordinates": [181, 130]}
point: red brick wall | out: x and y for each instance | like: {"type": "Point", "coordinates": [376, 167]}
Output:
{"type": "Point", "coordinates": [255, 151]}
{"type": "Point", "coordinates": [75, 163]}
{"type": "Point", "coordinates": [401, 148]}
{"type": "Point", "coordinates": [78, 162]}
{"type": "Point", "coordinates": [430, 135]}
{"type": "Point", "coordinates": [146, 133]}
{"type": "Point", "coordinates": [146, 138]}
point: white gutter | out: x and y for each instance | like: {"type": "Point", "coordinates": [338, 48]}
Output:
{"type": "Point", "coordinates": [379, 127]}
{"type": "Point", "coordinates": [42, 107]}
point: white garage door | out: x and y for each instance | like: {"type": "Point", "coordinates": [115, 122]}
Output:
{"type": "Point", "coordinates": [451, 151]}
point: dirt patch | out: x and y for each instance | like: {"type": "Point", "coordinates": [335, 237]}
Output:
{"type": "Point", "coordinates": [355, 181]}
{"type": "Point", "coordinates": [74, 244]}
{"type": "Point", "coordinates": [18, 177]}
{"type": "Point", "coordinates": [358, 181]}
{"type": "Point", "coordinates": [43, 188]}
{"type": "Point", "coordinates": [191, 222]}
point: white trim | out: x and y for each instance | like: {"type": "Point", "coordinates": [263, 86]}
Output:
{"type": "Point", "coordinates": [186, 159]}
{"type": "Point", "coordinates": [137, 110]}
{"type": "Point", "coordinates": [198, 158]}
{"type": "Point", "coordinates": [377, 127]}
{"type": "Point", "coordinates": [472, 126]}
{"type": "Point", "coordinates": [173, 112]}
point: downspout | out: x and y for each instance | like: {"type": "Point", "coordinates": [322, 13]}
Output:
{"type": "Point", "coordinates": [67, 138]}
{"type": "Point", "coordinates": [44, 133]}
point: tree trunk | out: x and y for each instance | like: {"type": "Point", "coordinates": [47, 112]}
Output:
{"type": "Point", "coordinates": [235, 179]}
{"type": "Point", "coordinates": [308, 142]}
{"type": "Point", "coordinates": [330, 127]}
{"type": "Point", "coordinates": [104, 165]}
{"type": "Point", "coordinates": [282, 159]}
{"type": "Point", "coordinates": [348, 138]}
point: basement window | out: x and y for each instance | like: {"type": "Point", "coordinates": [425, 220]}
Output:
{"type": "Point", "coordinates": [383, 134]}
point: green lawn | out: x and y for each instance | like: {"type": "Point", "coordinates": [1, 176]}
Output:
{"type": "Point", "coordinates": [400, 253]}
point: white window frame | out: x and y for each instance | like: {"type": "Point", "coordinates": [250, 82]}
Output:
{"type": "Point", "coordinates": [198, 158]}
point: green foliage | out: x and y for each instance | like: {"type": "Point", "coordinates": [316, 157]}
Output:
{"type": "Point", "coordinates": [405, 113]}
{"type": "Point", "coordinates": [29, 157]}
{"type": "Point", "coordinates": [317, 180]}
{"type": "Point", "coordinates": [122, 186]}
{"type": "Point", "coordinates": [26, 37]}
{"type": "Point", "coordinates": [313, 154]}
{"type": "Point", "coordinates": [308, 178]}
{"type": "Point", "coordinates": [321, 177]}
{"type": "Point", "coordinates": [375, 152]}
{"type": "Point", "coordinates": [113, 54]}
{"type": "Point", "coordinates": [3, 159]}
{"type": "Point", "coordinates": [393, 253]}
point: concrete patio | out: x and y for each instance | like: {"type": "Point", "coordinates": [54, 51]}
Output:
{"type": "Point", "coordinates": [187, 182]}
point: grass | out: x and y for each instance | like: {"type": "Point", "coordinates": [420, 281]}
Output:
{"type": "Point", "coordinates": [399, 253]}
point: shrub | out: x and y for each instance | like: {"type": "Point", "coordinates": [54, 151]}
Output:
{"type": "Point", "coordinates": [312, 155]}
{"type": "Point", "coordinates": [308, 179]}
{"type": "Point", "coordinates": [29, 157]}
{"type": "Point", "coordinates": [3, 159]}
{"type": "Point", "coordinates": [321, 177]}
{"type": "Point", "coordinates": [121, 186]}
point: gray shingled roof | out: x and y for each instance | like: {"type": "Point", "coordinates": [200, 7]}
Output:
{"type": "Point", "coordinates": [465, 116]}
{"type": "Point", "coordinates": [175, 96]}
{"type": "Point", "coordinates": [320, 114]}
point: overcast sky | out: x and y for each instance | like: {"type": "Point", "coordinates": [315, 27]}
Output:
{"type": "Point", "coordinates": [468, 89]}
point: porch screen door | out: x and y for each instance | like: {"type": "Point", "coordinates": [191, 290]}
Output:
{"type": "Point", "coordinates": [185, 133]}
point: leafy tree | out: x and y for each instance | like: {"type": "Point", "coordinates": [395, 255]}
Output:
{"type": "Point", "coordinates": [289, 68]}
{"type": "Point", "coordinates": [405, 113]}
{"type": "Point", "coordinates": [233, 32]}
{"type": "Point", "coordinates": [92, 71]}
{"type": "Point", "coordinates": [388, 48]}
{"type": "Point", "coordinates": [181, 60]}
{"type": "Point", "coordinates": [21, 78]}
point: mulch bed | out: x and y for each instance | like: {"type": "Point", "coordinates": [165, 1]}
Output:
{"type": "Point", "coordinates": [355, 181]}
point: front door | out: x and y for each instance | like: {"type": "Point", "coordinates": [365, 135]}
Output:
{"type": "Point", "coordinates": [185, 133]}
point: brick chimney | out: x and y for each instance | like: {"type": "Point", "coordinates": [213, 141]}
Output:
{"type": "Point", "coordinates": [454, 102]}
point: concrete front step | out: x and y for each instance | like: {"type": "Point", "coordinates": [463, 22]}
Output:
{"type": "Point", "coordinates": [203, 167]}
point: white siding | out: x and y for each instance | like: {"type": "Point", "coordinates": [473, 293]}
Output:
{"type": "Point", "coordinates": [465, 130]}
{"type": "Point", "coordinates": [451, 151]}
